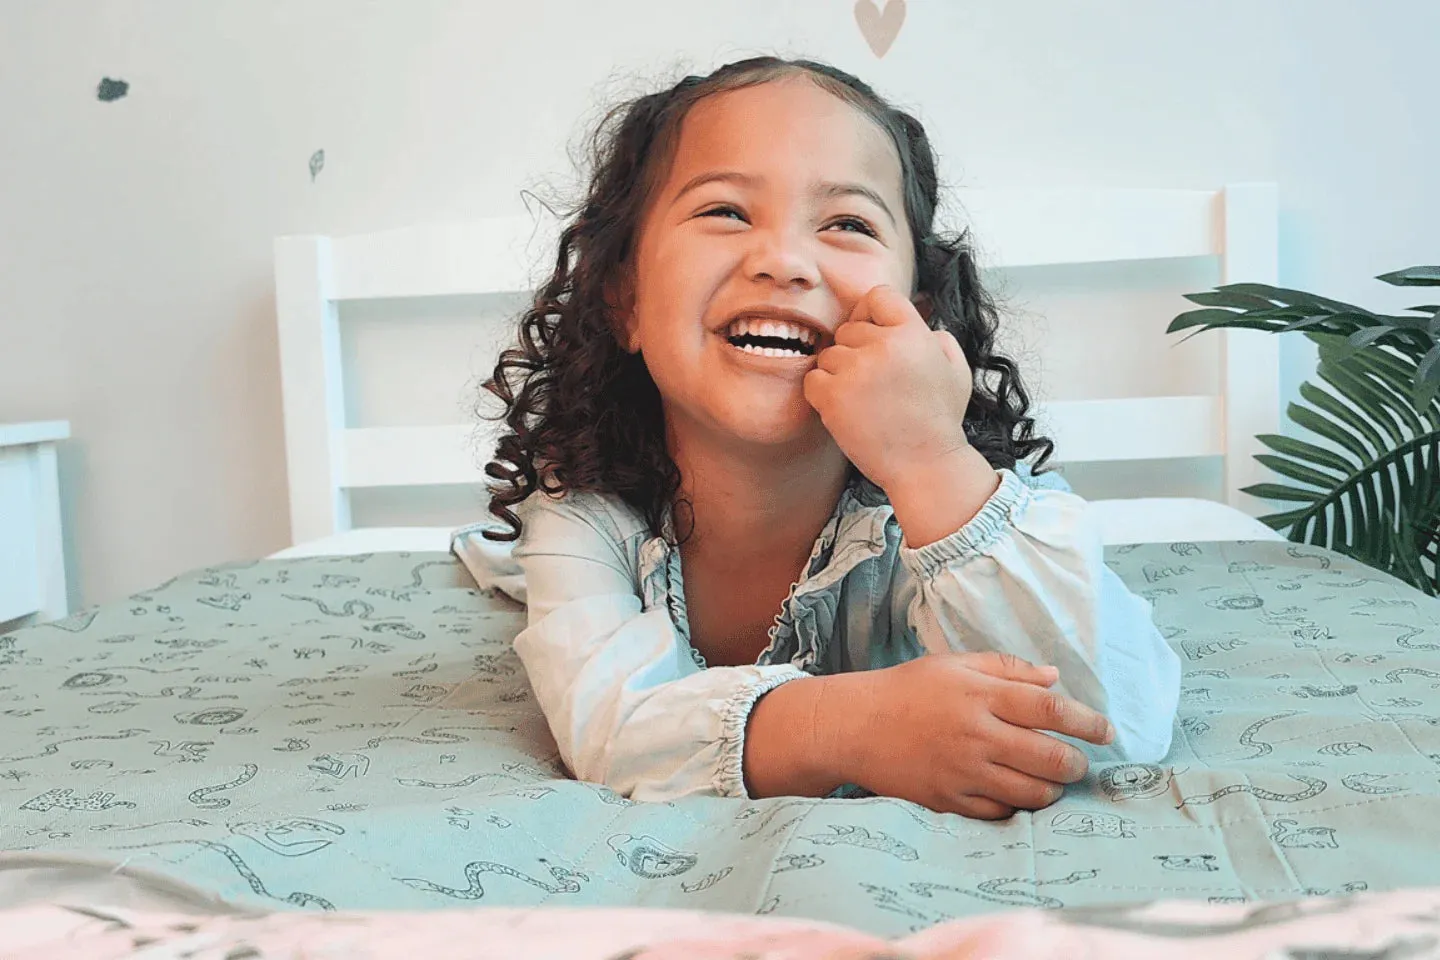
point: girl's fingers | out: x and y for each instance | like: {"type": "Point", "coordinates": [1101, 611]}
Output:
{"type": "Point", "coordinates": [863, 309]}
{"type": "Point", "coordinates": [1036, 754]}
{"type": "Point", "coordinates": [1007, 666]}
{"type": "Point", "coordinates": [951, 348]}
{"type": "Point", "coordinates": [1025, 706]}
{"type": "Point", "coordinates": [980, 808]}
{"type": "Point", "coordinates": [1012, 788]}
{"type": "Point", "coordinates": [834, 357]}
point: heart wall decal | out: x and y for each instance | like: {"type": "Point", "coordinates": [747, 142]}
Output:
{"type": "Point", "coordinates": [879, 29]}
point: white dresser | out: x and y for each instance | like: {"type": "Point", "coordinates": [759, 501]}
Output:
{"type": "Point", "coordinates": [32, 550]}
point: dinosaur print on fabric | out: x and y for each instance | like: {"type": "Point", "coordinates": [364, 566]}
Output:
{"type": "Point", "coordinates": [359, 733]}
{"type": "Point", "coordinates": [1081, 823]}
{"type": "Point", "coordinates": [649, 858]}
{"type": "Point", "coordinates": [565, 881]}
{"type": "Point", "coordinates": [856, 836]}
{"type": "Point", "coordinates": [1133, 781]}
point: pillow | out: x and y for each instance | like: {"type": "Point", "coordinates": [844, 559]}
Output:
{"type": "Point", "coordinates": [1173, 519]}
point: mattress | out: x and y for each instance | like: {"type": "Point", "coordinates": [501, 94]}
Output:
{"type": "Point", "coordinates": [355, 733]}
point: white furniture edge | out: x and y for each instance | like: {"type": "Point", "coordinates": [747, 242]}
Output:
{"type": "Point", "coordinates": [1017, 227]}
{"type": "Point", "coordinates": [29, 449]}
{"type": "Point", "coordinates": [44, 431]}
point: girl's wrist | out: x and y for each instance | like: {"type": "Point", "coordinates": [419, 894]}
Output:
{"type": "Point", "coordinates": [844, 726]}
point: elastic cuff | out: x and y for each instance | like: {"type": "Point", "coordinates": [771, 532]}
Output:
{"type": "Point", "coordinates": [971, 540]}
{"type": "Point", "coordinates": [730, 775]}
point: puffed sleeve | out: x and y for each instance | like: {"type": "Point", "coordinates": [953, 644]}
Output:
{"type": "Point", "coordinates": [1027, 576]}
{"type": "Point", "coordinates": [624, 697]}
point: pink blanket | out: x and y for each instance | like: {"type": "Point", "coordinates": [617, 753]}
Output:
{"type": "Point", "coordinates": [1404, 923]}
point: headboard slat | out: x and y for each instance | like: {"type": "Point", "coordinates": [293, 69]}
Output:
{"type": "Point", "coordinates": [312, 386]}
{"type": "Point", "coordinates": [1012, 227]}
{"type": "Point", "coordinates": [417, 456]}
{"type": "Point", "coordinates": [1018, 228]}
{"type": "Point", "coordinates": [500, 255]}
{"type": "Point", "coordinates": [1084, 431]}
{"type": "Point", "coordinates": [1250, 359]}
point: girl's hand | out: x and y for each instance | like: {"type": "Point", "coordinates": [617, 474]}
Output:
{"type": "Point", "coordinates": [891, 391]}
{"type": "Point", "coordinates": [960, 733]}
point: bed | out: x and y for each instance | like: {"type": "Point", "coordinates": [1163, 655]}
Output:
{"type": "Point", "coordinates": [342, 727]}
{"type": "Point", "coordinates": [332, 460]}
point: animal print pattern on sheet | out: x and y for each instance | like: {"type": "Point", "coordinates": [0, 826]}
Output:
{"type": "Point", "coordinates": [356, 733]}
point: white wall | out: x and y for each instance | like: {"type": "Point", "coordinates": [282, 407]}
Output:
{"type": "Point", "coordinates": [136, 295]}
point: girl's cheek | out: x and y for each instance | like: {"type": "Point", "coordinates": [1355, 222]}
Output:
{"type": "Point", "coordinates": [850, 288]}
{"type": "Point", "coordinates": [852, 281]}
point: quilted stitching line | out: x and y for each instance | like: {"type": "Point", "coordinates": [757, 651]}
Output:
{"type": "Point", "coordinates": [1264, 816]}
{"type": "Point", "coordinates": [891, 802]}
{"type": "Point", "coordinates": [1284, 859]}
{"type": "Point", "coordinates": [781, 848]}
{"type": "Point", "coordinates": [1191, 891]}
{"type": "Point", "coordinates": [691, 817]}
{"type": "Point", "coordinates": [559, 857]}
{"type": "Point", "coordinates": [582, 861]}
{"type": "Point", "coordinates": [244, 894]}
{"type": "Point", "coordinates": [1221, 824]}
{"type": "Point", "coordinates": [1371, 707]}
{"type": "Point", "coordinates": [1034, 870]}
{"type": "Point", "coordinates": [1366, 722]}
{"type": "Point", "coordinates": [1190, 742]}
{"type": "Point", "coordinates": [388, 869]}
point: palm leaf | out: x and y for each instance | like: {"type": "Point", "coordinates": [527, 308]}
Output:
{"type": "Point", "coordinates": [1368, 486]}
{"type": "Point", "coordinates": [1195, 318]}
{"type": "Point", "coordinates": [1230, 297]}
{"type": "Point", "coordinates": [1275, 491]}
{"type": "Point", "coordinates": [1304, 322]}
{"type": "Point", "coordinates": [1283, 295]}
{"type": "Point", "coordinates": [1413, 277]}
{"type": "Point", "coordinates": [1299, 448]}
{"type": "Point", "coordinates": [1425, 374]}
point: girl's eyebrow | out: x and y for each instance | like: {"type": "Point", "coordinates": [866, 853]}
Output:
{"type": "Point", "coordinates": [824, 189]}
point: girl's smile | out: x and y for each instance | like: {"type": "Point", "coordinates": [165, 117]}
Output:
{"type": "Point", "coordinates": [791, 365]}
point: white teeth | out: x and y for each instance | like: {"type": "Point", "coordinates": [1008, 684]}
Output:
{"type": "Point", "coordinates": [772, 328]}
{"type": "Point", "coordinates": [770, 351]}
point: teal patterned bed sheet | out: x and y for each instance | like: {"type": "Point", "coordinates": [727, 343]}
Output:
{"type": "Point", "coordinates": [356, 733]}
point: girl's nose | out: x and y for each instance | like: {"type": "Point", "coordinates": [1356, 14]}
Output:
{"type": "Point", "coordinates": [782, 255]}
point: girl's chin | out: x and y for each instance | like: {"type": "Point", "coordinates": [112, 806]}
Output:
{"type": "Point", "coordinates": [782, 422]}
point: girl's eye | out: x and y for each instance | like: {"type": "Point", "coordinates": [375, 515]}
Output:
{"type": "Point", "coordinates": [864, 227]}
{"type": "Point", "coordinates": [861, 224]}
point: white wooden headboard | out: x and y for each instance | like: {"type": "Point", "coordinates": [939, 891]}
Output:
{"type": "Point", "coordinates": [327, 458]}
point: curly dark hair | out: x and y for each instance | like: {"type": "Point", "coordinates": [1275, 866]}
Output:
{"type": "Point", "coordinates": [588, 412]}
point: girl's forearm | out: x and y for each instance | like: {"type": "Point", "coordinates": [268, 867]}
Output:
{"type": "Point", "coordinates": [804, 737]}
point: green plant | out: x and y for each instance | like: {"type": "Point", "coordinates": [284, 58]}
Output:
{"type": "Point", "coordinates": [1374, 493]}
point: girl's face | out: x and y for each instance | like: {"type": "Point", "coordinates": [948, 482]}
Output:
{"type": "Point", "coordinates": [808, 216]}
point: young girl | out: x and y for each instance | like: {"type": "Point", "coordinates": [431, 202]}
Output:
{"type": "Point", "coordinates": [780, 462]}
